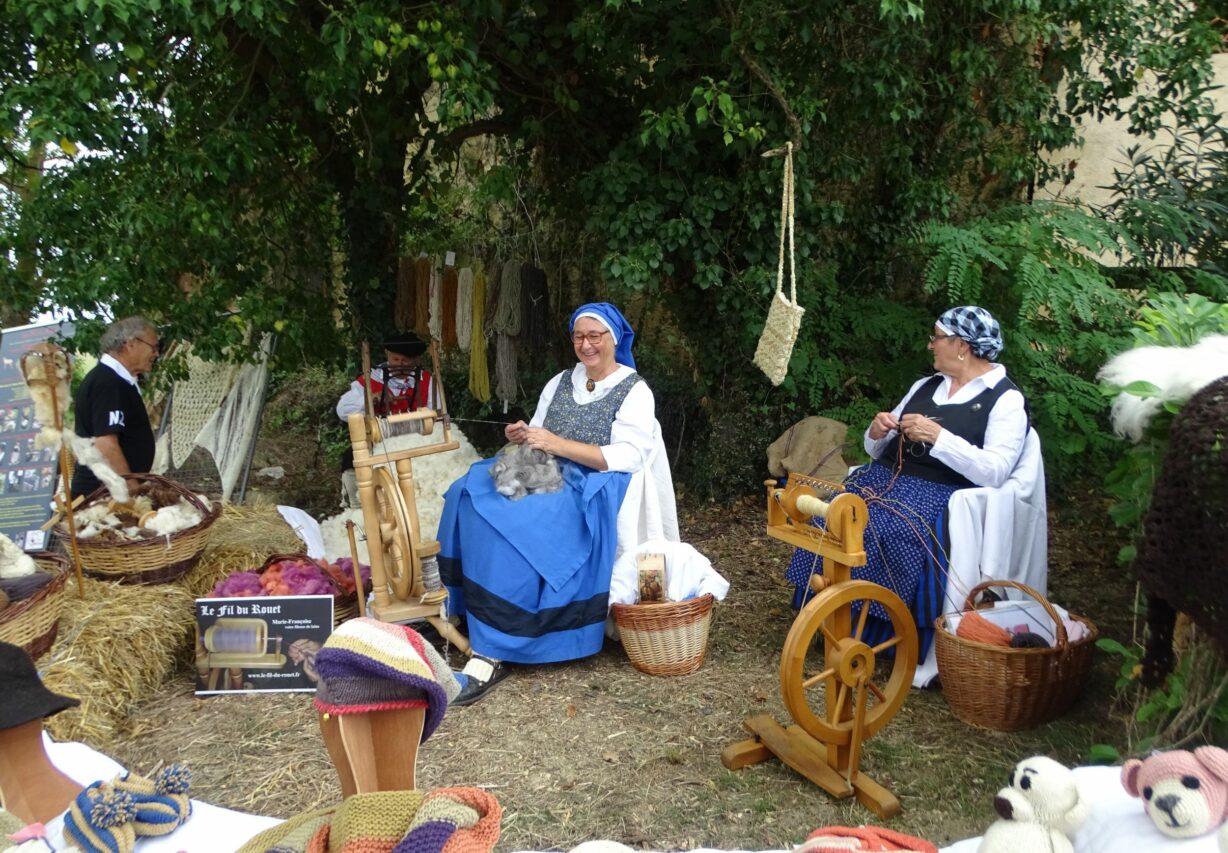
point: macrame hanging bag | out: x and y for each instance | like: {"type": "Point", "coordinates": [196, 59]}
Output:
{"type": "Point", "coordinates": [784, 317]}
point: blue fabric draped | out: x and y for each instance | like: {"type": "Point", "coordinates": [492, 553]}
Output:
{"type": "Point", "coordinates": [531, 576]}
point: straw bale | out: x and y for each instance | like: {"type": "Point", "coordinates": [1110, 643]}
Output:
{"type": "Point", "coordinates": [115, 647]}
{"type": "Point", "coordinates": [253, 526]}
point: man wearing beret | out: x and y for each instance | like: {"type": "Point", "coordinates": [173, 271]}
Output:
{"type": "Point", "coordinates": [398, 385]}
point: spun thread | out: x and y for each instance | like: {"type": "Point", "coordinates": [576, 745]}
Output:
{"type": "Point", "coordinates": [534, 307]}
{"type": "Point", "coordinates": [422, 296]}
{"type": "Point", "coordinates": [447, 308]}
{"type": "Point", "coordinates": [435, 324]}
{"type": "Point", "coordinates": [464, 309]}
{"type": "Point", "coordinates": [507, 315]}
{"type": "Point", "coordinates": [403, 310]}
{"type": "Point", "coordinates": [505, 368]}
{"type": "Point", "coordinates": [479, 372]}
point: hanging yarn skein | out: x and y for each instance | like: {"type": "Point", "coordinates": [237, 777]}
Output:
{"type": "Point", "coordinates": [507, 316]}
{"type": "Point", "coordinates": [435, 326]}
{"type": "Point", "coordinates": [493, 288]}
{"type": "Point", "coordinates": [505, 368]}
{"type": "Point", "coordinates": [447, 307]}
{"type": "Point", "coordinates": [464, 309]}
{"type": "Point", "coordinates": [534, 307]}
{"type": "Point", "coordinates": [479, 373]}
{"type": "Point", "coordinates": [403, 310]}
{"type": "Point", "coordinates": [422, 296]}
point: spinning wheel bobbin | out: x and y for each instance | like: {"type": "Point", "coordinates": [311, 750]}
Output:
{"type": "Point", "coordinates": [862, 687]}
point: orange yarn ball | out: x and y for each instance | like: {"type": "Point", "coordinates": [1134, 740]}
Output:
{"type": "Point", "coordinates": [977, 629]}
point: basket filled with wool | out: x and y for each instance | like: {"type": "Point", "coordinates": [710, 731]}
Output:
{"type": "Point", "coordinates": [154, 535]}
{"type": "Point", "coordinates": [298, 574]}
{"type": "Point", "coordinates": [31, 597]}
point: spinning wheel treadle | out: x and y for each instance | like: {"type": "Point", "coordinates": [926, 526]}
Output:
{"type": "Point", "coordinates": [394, 528]}
{"type": "Point", "coordinates": [860, 687]}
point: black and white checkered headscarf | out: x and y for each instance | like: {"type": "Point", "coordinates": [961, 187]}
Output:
{"type": "Point", "coordinates": [976, 326]}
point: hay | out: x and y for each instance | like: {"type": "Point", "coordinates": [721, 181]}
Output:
{"type": "Point", "coordinates": [116, 647]}
{"type": "Point", "coordinates": [241, 540]}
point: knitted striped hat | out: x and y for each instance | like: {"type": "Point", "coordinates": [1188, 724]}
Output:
{"type": "Point", "coordinates": [100, 820]}
{"type": "Point", "coordinates": [161, 802]}
{"type": "Point", "coordinates": [368, 665]}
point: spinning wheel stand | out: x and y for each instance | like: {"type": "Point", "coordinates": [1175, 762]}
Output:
{"type": "Point", "coordinates": [861, 688]}
{"type": "Point", "coordinates": [395, 546]}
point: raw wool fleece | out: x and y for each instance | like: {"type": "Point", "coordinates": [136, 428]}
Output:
{"type": "Point", "coordinates": [1039, 808]}
{"type": "Point", "coordinates": [1180, 561]}
{"type": "Point", "coordinates": [432, 476]}
{"type": "Point", "coordinates": [521, 470]}
{"type": "Point", "coordinates": [1177, 371]}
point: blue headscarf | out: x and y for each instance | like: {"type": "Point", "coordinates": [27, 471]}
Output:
{"type": "Point", "coordinates": [976, 326]}
{"type": "Point", "coordinates": [612, 319]}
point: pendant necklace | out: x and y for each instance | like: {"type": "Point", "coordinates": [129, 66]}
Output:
{"type": "Point", "coordinates": [589, 385]}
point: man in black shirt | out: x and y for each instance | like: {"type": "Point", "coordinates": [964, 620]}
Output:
{"type": "Point", "coordinates": [109, 407]}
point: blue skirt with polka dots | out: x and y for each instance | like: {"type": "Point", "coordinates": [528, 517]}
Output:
{"type": "Point", "coordinates": [906, 549]}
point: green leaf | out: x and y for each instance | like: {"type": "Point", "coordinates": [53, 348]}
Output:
{"type": "Point", "coordinates": [1103, 754]}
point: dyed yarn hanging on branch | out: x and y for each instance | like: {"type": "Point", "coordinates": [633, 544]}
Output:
{"type": "Point", "coordinates": [464, 308]}
{"type": "Point", "coordinates": [447, 307]}
{"type": "Point", "coordinates": [403, 310]}
{"type": "Point", "coordinates": [422, 295]}
{"type": "Point", "coordinates": [479, 373]}
{"type": "Point", "coordinates": [505, 368]}
{"type": "Point", "coordinates": [494, 286]}
{"type": "Point", "coordinates": [507, 315]}
{"type": "Point", "coordinates": [435, 326]}
{"type": "Point", "coordinates": [534, 307]}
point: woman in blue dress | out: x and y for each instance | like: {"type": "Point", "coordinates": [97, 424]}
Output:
{"type": "Point", "coordinates": [532, 576]}
{"type": "Point", "coordinates": [963, 426]}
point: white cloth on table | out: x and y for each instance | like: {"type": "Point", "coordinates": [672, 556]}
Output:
{"type": "Point", "coordinates": [648, 510]}
{"type": "Point", "coordinates": [991, 463]}
{"type": "Point", "coordinates": [688, 573]}
{"type": "Point", "coordinates": [210, 829]}
{"type": "Point", "coordinates": [1000, 533]}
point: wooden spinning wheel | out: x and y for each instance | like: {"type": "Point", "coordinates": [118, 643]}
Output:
{"type": "Point", "coordinates": [857, 687]}
{"type": "Point", "coordinates": [395, 546]}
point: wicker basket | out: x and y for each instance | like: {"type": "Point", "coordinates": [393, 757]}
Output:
{"type": "Point", "coordinates": [33, 622]}
{"type": "Point", "coordinates": [148, 561]}
{"type": "Point", "coordinates": [1011, 689]}
{"type": "Point", "coordinates": [669, 638]}
{"type": "Point", "coordinates": [345, 607]}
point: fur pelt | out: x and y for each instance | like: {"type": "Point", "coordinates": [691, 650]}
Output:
{"type": "Point", "coordinates": [1180, 561]}
{"type": "Point", "coordinates": [521, 470]}
{"type": "Point", "coordinates": [1177, 371]}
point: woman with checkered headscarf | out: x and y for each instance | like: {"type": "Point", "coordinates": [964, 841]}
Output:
{"type": "Point", "coordinates": [963, 426]}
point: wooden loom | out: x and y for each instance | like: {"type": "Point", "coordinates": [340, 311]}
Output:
{"type": "Point", "coordinates": [395, 546]}
{"type": "Point", "coordinates": [858, 700]}
{"type": "Point", "coordinates": [231, 645]}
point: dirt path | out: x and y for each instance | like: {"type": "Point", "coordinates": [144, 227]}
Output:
{"type": "Point", "coordinates": [595, 749]}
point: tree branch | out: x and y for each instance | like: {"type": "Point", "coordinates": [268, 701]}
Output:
{"type": "Point", "coordinates": [756, 70]}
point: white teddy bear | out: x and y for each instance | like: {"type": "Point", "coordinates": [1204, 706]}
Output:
{"type": "Point", "coordinates": [1039, 809]}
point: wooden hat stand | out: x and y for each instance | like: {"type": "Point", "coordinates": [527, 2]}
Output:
{"type": "Point", "coordinates": [30, 785]}
{"type": "Point", "coordinates": [861, 687]}
{"type": "Point", "coordinates": [374, 750]}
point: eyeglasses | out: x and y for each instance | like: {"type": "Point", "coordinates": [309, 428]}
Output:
{"type": "Point", "coordinates": [593, 338]}
{"type": "Point", "coordinates": [936, 338]}
{"type": "Point", "coordinates": [155, 346]}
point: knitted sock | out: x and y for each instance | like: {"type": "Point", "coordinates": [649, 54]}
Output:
{"type": "Point", "coordinates": [100, 820]}
{"type": "Point", "coordinates": [162, 803]}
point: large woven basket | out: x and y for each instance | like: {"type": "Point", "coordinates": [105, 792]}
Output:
{"type": "Point", "coordinates": [669, 638]}
{"type": "Point", "coordinates": [345, 607]}
{"type": "Point", "coordinates": [1011, 689]}
{"type": "Point", "coordinates": [149, 561]}
{"type": "Point", "coordinates": [33, 622]}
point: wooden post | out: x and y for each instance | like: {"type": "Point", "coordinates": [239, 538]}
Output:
{"type": "Point", "coordinates": [68, 508]}
{"type": "Point", "coordinates": [362, 593]}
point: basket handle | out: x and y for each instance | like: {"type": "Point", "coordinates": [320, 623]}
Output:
{"type": "Point", "coordinates": [1061, 642]}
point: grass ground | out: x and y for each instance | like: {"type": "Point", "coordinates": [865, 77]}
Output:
{"type": "Point", "coordinates": [596, 749]}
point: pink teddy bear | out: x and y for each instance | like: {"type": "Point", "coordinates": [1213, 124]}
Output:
{"type": "Point", "coordinates": [1184, 793]}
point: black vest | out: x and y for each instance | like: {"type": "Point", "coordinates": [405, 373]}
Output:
{"type": "Point", "coordinates": [968, 420]}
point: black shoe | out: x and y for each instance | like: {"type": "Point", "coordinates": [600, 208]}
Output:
{"type": "Point", "coordinates": [475, 688]}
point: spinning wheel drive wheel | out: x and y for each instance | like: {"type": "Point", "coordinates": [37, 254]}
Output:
{"type": "Point", "coordinates": [819, 664]}
{"type": "Point", "coordinates": [394, 532]}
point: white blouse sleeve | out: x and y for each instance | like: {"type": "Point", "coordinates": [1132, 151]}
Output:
{"type": "Point", "coordinates": [631, 436]}
{"type": "Point", "coordinates": [875, 447]}
{"type": "Point", "coordinates": [351, 402]}
{"type": "Point", "coordinates": [991, 464]}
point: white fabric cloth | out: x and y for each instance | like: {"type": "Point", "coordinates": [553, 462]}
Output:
{"type": "Point", "coordinates": [990, 464]}
{"type": "Point", "coordinates": [306, 528]}
{"type": "Point", "coordinates": [1000, 533]}
{"type": "Point", "coordinates": [210, 829]}
{"type": "Point", "coordinates": [114, 363]}
{"type": "Point", "coordinates": [1117, 822]}
{"type": "Point", "coordinates": [688, 573]}
{"type": "Point", "coordinates": [649, 510]}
